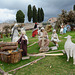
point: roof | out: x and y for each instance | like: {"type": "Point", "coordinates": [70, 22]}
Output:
{"type": "Point", "coordinates": [52, 20]}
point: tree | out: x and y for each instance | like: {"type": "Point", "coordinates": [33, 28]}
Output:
{"type": "Point", "coordinates": [35, 15]}
{"type": "Point", "coordinates": [42, 15]}
{"type": "Point", "coordinates": [29, 13]}
{"type": "Point", "coordinates": [74, 7]}
{"type": "Point", "coordinates": [71, 16]}
{"type": "Point", "coordinates": [39, 15]}
{"type": "Point", "coordinates": [65, 17]}
{"type": "Point", "coordinates": [20, 16]}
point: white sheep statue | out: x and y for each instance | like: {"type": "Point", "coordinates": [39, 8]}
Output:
{"type": "Point", "coordinates": [70, 49]}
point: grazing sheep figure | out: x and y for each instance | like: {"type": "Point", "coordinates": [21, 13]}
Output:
{"type": "Point", "coordinates": [70, 49]}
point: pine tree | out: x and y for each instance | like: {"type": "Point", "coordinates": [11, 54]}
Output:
{"type": "Point", "coordinates": [20, 16]}
{"type": "Point", "coordinates": [35, 15]}
{"type": "Point", "coordinates": [29, 13]}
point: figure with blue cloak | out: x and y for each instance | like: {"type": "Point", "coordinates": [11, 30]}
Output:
{"type": "Point", "coordinates": [68, 27]}
{"type": "Point", "coordinates": [65, 29]}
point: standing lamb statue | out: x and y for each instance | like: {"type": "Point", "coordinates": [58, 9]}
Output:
{"type": "Point", "coordinates": [70, 49]}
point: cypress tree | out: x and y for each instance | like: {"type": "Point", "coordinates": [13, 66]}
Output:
{"type": "Point", "coordinates": [20, 16]}
{"type": "Point", "coordinates": [29, 13]}
{"type": "Point", "coordinates": [35, 15]}
{"type": "Point", "coordinates": [74, 7]}
{"type": "Point", "coordinates": [42, 15]}
{"type": "Point", "coordinates": [39, 15]}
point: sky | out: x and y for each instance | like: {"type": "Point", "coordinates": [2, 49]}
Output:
{"type": "Point", "coordinates": [52, 8]}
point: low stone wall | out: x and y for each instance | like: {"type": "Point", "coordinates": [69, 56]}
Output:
{"type": "Point", "coordinates": [27, 25]}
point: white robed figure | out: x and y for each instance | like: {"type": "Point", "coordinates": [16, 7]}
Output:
{"type": "Point", "coordinates": [22, 28]}
{"type": "Point", "coordinates": [54, 38]}
{"type": "Point", "coordinates": [62, 28]}
{"type": "Point", "coordinates": [15, 33]}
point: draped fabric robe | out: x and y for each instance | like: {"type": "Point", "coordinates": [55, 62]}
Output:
{"type": "Point", "coordinates": [23, 45]}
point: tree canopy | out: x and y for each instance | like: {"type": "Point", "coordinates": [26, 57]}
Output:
{"type": "Point", "coordinates": [20, 17]}
{"type": "Point", "coordinates": [29, 13]}
{"type": "Point", "coordinates": [74, 7]}
{"type": "Point", "coordinates": [35, 14]}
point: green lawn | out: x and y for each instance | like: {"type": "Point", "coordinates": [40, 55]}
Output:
{"type": "Point", "coordinates": [7, 67]}
{"type": "Point", "coordinates": [59, 65]}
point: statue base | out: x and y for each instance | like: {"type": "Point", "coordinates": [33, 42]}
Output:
{"type": "Point", "coordinates": [44, 49]}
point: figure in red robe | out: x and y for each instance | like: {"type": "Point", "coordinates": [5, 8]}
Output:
{"type": "Point", "coordinates": [35, 30]}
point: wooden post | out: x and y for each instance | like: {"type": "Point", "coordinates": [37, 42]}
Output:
{"type": "Point", "coordinates": [9, 48]}
{"type": "Point", "coordinates": [9, 43]}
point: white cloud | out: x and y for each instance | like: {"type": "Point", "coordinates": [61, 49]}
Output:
{"type": "Point", "coordinates": [6, 14]}
{"type": "Point", "coordinates": [51, 7]}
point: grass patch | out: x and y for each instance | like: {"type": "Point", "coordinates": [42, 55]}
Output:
{"type": "Point", "coordinates": [59, 65]}
{"type": "Point", "coordinates": [7, 67]}
{"type": "Point", "coordinates": [33, 49]}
